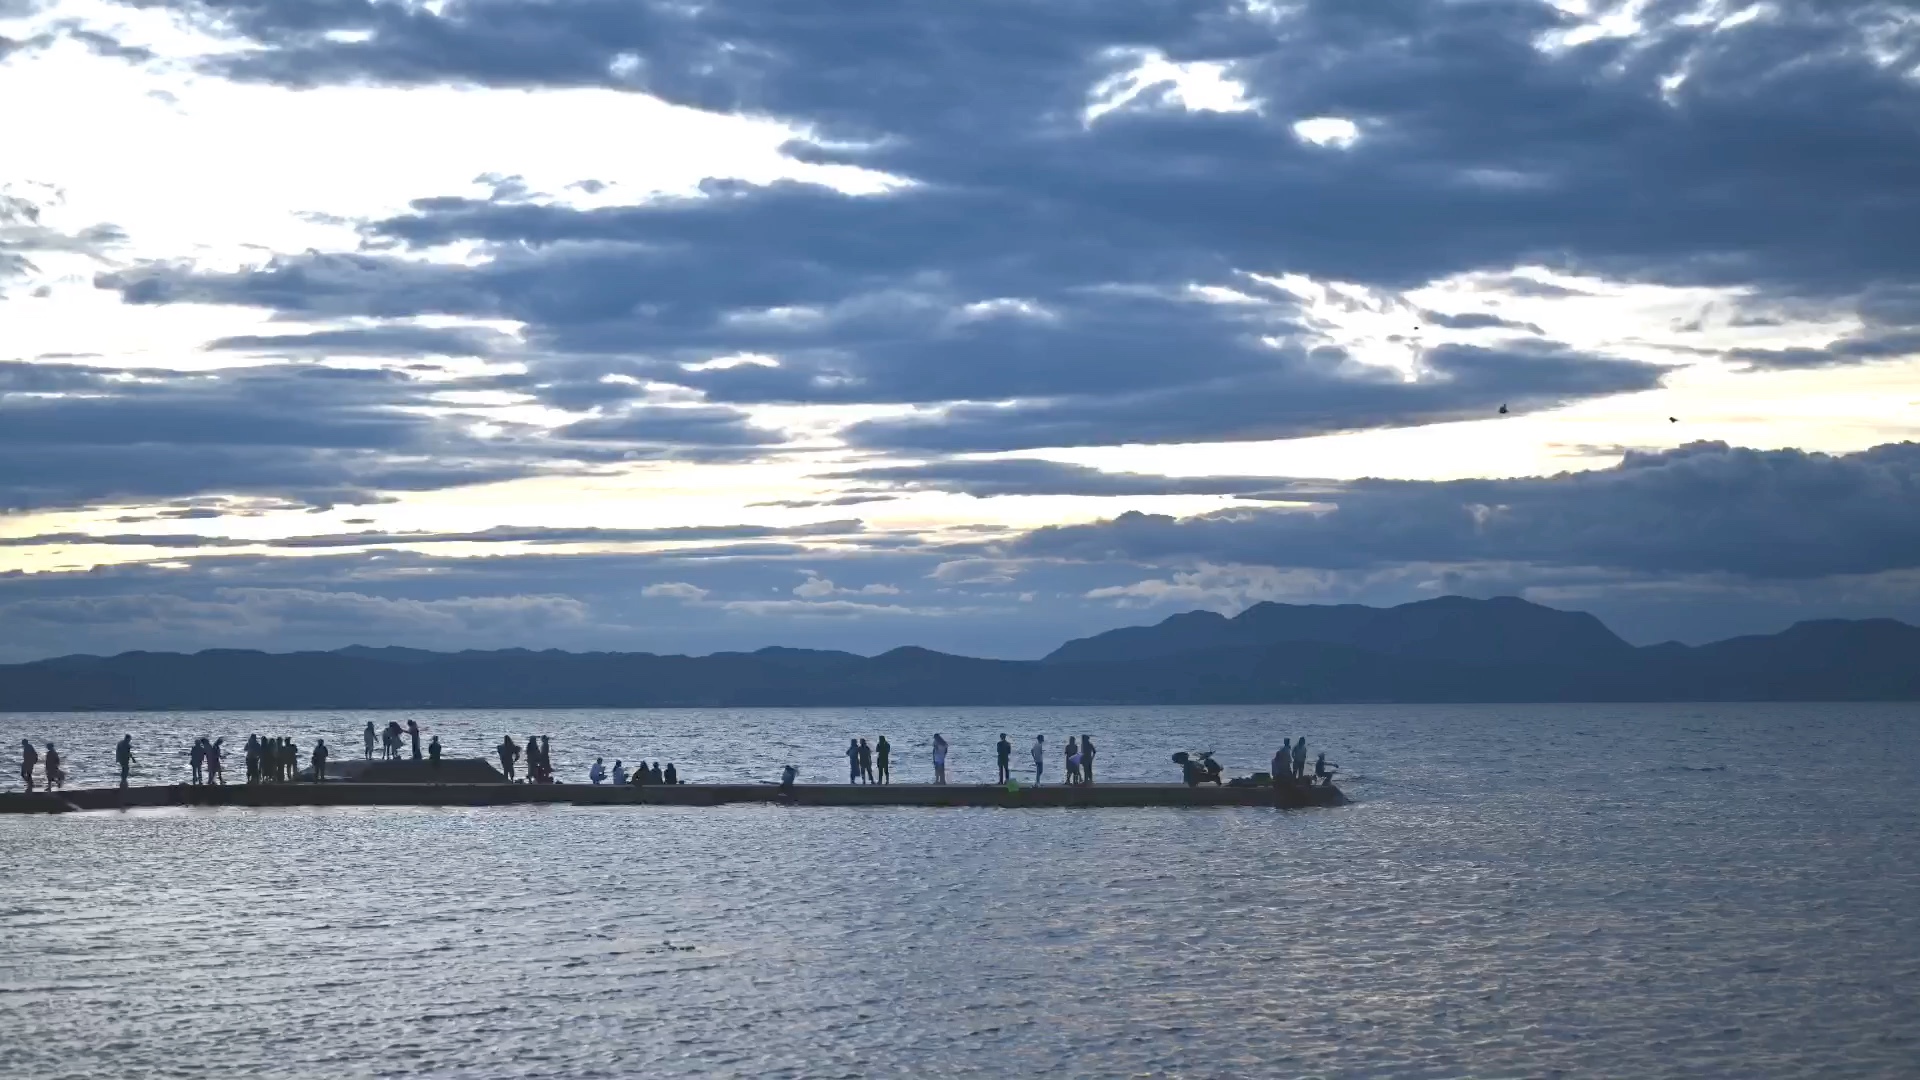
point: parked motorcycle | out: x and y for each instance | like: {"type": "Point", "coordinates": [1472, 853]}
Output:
{"type": "Point", "coordinates": [1197, 770]}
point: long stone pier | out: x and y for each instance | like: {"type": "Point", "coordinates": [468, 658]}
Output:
{"type": "Point", "coordinates": [1288, 797]}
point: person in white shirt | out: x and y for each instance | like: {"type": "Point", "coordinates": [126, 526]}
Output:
{"type": "Point", "coordinates": [1039, 758]}
{"type": "Point", "coordinates": [619, 772]}
{"type": "Point", "coordinates": [598, 774]}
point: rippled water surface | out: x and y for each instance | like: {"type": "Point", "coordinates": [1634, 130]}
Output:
{"type": "Point", "coordinates": [1728, 890]}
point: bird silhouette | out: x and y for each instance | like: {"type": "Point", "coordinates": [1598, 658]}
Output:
{"type": "Point", "coordinates": [1503, 410]}
{"type": "Point", "coordinates": [1673, 419]}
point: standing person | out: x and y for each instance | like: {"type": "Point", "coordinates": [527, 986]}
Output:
{"type": "Point", "coordinates": [216, 773]}
{"type": "Point", "coordinates": [1086, 759]}
{"type": "Point", "coordinates": [56, 777]}
{"type": "Point", "coordinates": [866, 761]}
{"type": "Point", "coordinates": [546, 757]}
{"type": "Point", "coordinates": [1039, 758]}
{"type": "Point", "coordinates": [123, 756]}
{"type": "Point", "coordinates": [853, 761]}
{"type": "Point", "coordinates": [508, 752]}
{"type": "Point", "coordinates": [1004, 751]}
{"type": "Point", "coordinates": [939, 758]}
{"type": "Point", "coordinates": [598, 774]}
{"type": "Point", "coordinates": [413, 734]}
{"type": "Point", "coordinates": [393, 739]}
{"type": "Point", "coordinates": [533, 759]}
{"type": "Point", "coordinates": [253, 759]}
{"type": "Point", "coordinates": [369, 737]}
{"type": "Point", "coordinates": [29, 757]}
{"type": "Point", "coordinates": [197, 758]}
{"type": "Point", "coordinates": [1073, 760]}
{"type": "Point", "coordinates": [320, 761]}
{"type": "Point", "coordinates": [882, 751]}
{"type": "Point", "coordinates": [289, 760]}
{"type": "Point", "coordinates": [1283, 762]}
{"type": "Point", "coordinates": [1300, 757]}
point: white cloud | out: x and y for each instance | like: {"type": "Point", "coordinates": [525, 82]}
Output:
{"type": "Point", "coordinates": [1336, 132]}
{"type": "Point", "coordinates": [678, 590]}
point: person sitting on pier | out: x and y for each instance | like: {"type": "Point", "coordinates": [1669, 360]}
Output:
{"type": "Point", "coordinates": [654, 774]}
{"type": "Point", "coordinates": [619, 773]}
{"type": "Point", "coordinates": [56, 776]}
{"type": "Point", "coordinates": [598, 774]}
{"type": "Point", "coordinates": [786, 779]}
{"type": "Point", "coordinates": [853, 761]}
{"type": "Point", "coordinates": [1073, 760]}
{"type": "Point", "coordinates": [29, 757]}
{"type": "Point", "coordinates": [882, 751]}
{"type": "Point", "coordinates": [1323, 772]}
{"type": "Point", "coordinates": [319, 761]}
{"type": "Point", "coordinates": [672, 776]}
{"type": "Point", "coordinates": [197, 759]}
{"type": "Point", "coordinates": [433, 752]}
{"type": "Point", "coordinates": [866, 762]}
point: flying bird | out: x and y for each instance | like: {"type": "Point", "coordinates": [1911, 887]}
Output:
{"type": "Point", "coordinates": [1673, 419]}
{"type": "Point", "coordinates": [1503, 410]}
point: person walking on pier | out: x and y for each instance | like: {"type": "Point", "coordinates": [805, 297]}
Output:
{"type": "Point", "coordinates": [369, 737]}
{"type": "Point", "coordinates": [1072, 754]}
{"type": "Point", "coordinates": [413, 734]}
{"type": "Point", "coordinates": [598, 774]}
{"type": "Point", "coordinates": [508, 752]}
{"type": "Point", "coordinates": [320, 761]}
{"type": "Point", "coordinates": [1039, 758]}
{"type": "Point", "coordinates": [883, 752]}
{"type": "Point", "coordinates": [1004, 751]}
{"type": "Point", "coordinates": [866, 762]}
{"type": "Point", "coordinates": [853, 761]}
{"type": "Point", "coordinates": [197, 758]}
{"type": "Point", "coordinates": [1086, 759]}
{"type": "Point", "coordinates": [1300, 758]}
{"type": "Point", "coordinates": [29, 757]}
{"type": "Point", "coordinates": [56, 776]}
{"type": "Point", "coordinates": [939, 758]}
{"type": "Point", "coordinates": [123, 756]}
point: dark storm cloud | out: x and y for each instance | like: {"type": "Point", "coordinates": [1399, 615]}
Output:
{"type": "Point", "coordinates": [1038, 262]}
{"type": "Point", "coordinates": [1700, 509]}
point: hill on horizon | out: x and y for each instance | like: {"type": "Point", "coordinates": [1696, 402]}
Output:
{"type": "Point", "coordinates": [1447, 649]}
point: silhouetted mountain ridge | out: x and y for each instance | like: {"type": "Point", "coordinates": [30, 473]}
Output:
{"type": "Point", "coordinates": [1452, 649]}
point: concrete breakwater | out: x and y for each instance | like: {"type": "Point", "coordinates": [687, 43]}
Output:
{"type": "Point", "coordinates": [503, 794]}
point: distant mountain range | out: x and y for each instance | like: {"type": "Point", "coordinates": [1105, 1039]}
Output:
{"type": "Point", "coordinates": [1451, 649]}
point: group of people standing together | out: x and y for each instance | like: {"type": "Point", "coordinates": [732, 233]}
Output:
{"type": "Point", "coordinates": [539, 754]}
{"type": "Point", "coordinates": [1290, 763]}
{"type": "Point", "coordinates": [56, 772]}
{"type": "Point", "coordinates": [874, 764]}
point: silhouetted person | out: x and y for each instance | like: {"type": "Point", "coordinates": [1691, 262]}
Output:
{"type": "Point", "coordinates": [123, 756]}
{"type": "Point", "coordinates": [853, 761]}
{"type": "Point", "coordinates": [883, 752]}
{"type": "Point", "coordinates": [619, 773]}
{"type": "Point", "coordinates": [56, 776]}
{"type": "Point", "coordinates": [1004, 751]}
{"type": "Point", "coordinates": [197, 759]}
{"type": "Point", "coordinates": [1039, 758]}
{"type": "Point", "coordinates": [1283, 761]}
{"type": "Point", "coordinates": [1322, 771]}
{"type": "Point", "coordinates": [939, 758]}
{"type": "Point", "coordinates": [413, 734]}
{"type": "Point", "coordinates": [640, 777]}
{"type": "Point", "coordinates": [534, 764]}
{"type": "Point", "coordinates": [1300, 757]}
{"type": "Point", "coordinates": [598, 774]}
{"type": "Point", "coordinates": [1072, 754]}
{"type": "Point", "coordinates": [654, 774]}
{"type": "Point", "coordinates": [320, 761]}
{"type": "Point", "coordinates": [216, 773]}
{"type": "Point", "coordinates": [29, 759]}
{"type": "Point", "coordinates": [672, 775]}
{"type": "Point", "coordinates": [394, 736]}
{"type": "Point", "coordinates": [433, 752]}
{"type": "Point", "coordinates": [508, 752]}
{"type": "Point", "coordinates": [866, 761]}
{"type": "Point", "coordinates": [1086, 759]}
{"type": "Point", "coordinates": [369, 737]}
{"type": "Point", "coordinates": [546, 757]}
{"type": "Point", "coordinates": [786, 779]}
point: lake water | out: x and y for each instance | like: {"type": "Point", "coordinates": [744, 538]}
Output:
{"type": "Point", "coordinates": [1631, 890]}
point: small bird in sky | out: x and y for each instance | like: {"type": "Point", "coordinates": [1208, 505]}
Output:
{"type": "Point", "coordinates": [1673, 419]}
{"type": "Point", "coordinates": [1503, 410]}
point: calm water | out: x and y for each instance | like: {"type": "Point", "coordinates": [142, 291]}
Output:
{"type": "Point", "coordinates": [1727, 890]}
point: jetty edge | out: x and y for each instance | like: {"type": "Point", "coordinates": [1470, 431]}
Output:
{"type": "Point", "coordinates": [331, 793]}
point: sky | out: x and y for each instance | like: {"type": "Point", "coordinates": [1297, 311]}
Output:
{"type": "Point", "coordinates": [647, 325]}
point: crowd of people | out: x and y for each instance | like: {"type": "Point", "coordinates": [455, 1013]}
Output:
{"type": "Point", "coordinates": [641, 775]}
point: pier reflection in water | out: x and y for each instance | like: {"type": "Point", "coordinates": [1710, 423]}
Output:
{"type": "Point", "coordinates": [1620, 890]}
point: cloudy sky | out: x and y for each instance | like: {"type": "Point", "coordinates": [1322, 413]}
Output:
{"type": "Point", "coordinates": [641, 324]}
